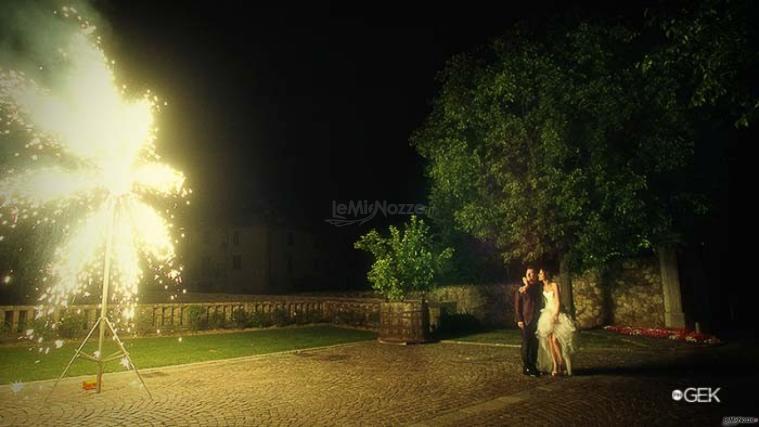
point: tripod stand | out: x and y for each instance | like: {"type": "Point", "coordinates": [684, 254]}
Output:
{"type": "Point", "coordinates": [103, 321]}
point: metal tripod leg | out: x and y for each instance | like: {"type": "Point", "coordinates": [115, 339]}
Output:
{"type": "Point", "coordinates": [76, 355]}
{"type": "Point", "coordinates": [100, 359]}
{"type": "Point", "coordinates": [126, 354]}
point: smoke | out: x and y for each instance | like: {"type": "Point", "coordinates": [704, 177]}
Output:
{"type": "Point", "coordinates": [82, 153]}
{"type": "Point", "coordinates": [33, 32]}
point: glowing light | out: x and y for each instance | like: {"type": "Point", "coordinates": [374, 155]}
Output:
{"type": "Point", "coordinates": [17, 386]}
{"type": "Point", "coordinates": [95, 160]}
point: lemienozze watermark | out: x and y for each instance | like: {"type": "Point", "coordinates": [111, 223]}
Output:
{"type": "Point", "coordinates": [361, 211]}
{"type": "Point", "coordinates": [734, 421]}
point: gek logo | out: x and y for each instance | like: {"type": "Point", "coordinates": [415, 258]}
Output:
{"type": "Point", "coordinates": [697, 395]}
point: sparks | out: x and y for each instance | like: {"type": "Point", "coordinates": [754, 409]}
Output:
{"type": "Point", "coordinates": [17, 386]}
{"type": "Point", "coordinates": [95, 155]}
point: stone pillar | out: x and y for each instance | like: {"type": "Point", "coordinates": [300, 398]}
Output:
{"type": "Point", "coordinates": [670, 282]}
{"type": "Point", "coordinates": [565, 286]}
{"type": "Point", "coordinates": [176, 316]}
{"type": "Point", "coordinates": [185, 316]}
{"type": "Point", "coordinates": [14, 320]}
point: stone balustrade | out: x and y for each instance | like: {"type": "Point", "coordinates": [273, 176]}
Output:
{"type": "Point", "coordinates": [358, 312]}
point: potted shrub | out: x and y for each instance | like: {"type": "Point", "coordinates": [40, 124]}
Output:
{"type": "Point", "coordinates": [406, 263]}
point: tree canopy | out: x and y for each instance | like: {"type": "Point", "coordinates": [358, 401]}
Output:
{"type": "Point", "coordinates": [406, 261]}
{"type": "Point", "coordinates": [578, 143]}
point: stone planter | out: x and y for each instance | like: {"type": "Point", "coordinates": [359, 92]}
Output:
{"type": "Point", "coordinates": [404, 322]}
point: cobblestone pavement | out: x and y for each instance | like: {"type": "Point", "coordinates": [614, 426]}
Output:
{"type": "Point", "coordinates": [374, 384]}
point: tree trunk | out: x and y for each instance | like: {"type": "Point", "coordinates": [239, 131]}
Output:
{"type": "Point", "coordinates": [565, 286]}
{"type": "Point", "coordinates": [670, 281]}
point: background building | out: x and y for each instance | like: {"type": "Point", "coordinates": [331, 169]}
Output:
{"type": "Point", "coordinates": [256, 258]}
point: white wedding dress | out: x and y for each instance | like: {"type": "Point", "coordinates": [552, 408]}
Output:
{"type": "Point", "coordinates": [564, 330]}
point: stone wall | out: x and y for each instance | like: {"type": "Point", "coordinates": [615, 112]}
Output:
{"type": "Point", "coordinates": [588, 295]}
{"type": "Point", "coordinates": [628, 294]}
{"type": "Point", "coordinates": [492, 305]}
{"type": "Point", "coordinates": [636, 294]}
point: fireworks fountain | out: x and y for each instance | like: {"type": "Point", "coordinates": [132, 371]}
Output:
{"type": "Point", "coordinates": [101, 172]}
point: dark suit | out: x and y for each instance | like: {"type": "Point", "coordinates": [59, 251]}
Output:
{"type": "Point", "coordinates": [527, 309]}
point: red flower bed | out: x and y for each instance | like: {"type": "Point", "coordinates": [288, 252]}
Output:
{"type": "Point", "coordinates": [677, 334]}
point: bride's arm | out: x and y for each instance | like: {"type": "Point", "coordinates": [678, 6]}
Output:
{"type": "Point", "coordinates": [557, 300]}
{"type": "Point", "coordinates": [523, 288]}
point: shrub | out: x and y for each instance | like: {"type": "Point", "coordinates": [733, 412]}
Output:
{"type": "Point", "coordinates": [240, 318]}
{"type": "Point", "coordinates": [143, 322]}
{"type": "Point", "coordinates": [309, 316]}
{"type": "Point", "coordinates": [72, 324]}
{"type": "Point", "coordinates": [300, 318]}
{"type": "Point", "coordinates": [316, 316]}
{"type": "Point", "coordinates": [374, 318]}
{"type": "Point", "coordinates": [280, 317]}
{"type": "Point", "coordinates": [405, 261]}
{"type": "Point", "coordinates": [197, 317]}
{"type": "Point", "coordinates": [42, 328]}
{"type": "Point", "coordinates": [350, 317]}
{"type": "Point", "coordinates": [356, 318]}
{"type": "Point", "coordinates": [259, 319]}
{"type": "Point", "coordinates": [217, 320]}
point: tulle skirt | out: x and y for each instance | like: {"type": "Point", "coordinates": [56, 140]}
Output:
{"type": "Point", "coordinates": [565, 332]}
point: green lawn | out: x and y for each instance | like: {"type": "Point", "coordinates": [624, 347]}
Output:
{"type": "Point", "coordinates": [18, 363]}
{"type": "Point", "coordinates": [588, 339]}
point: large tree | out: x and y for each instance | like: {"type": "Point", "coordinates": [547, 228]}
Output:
{"type": "Point", "coordinates": [568, 146]}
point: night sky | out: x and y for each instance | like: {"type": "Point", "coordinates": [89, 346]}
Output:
{"type": "Point", "coordinates": [275, 109]}
{"type": "Point", "coordinates": [284, 108]}
{"type": "Point", "coordinates": [287, 107]}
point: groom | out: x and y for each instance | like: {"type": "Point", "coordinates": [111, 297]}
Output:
{"type": "Point", "coordinates": [527, 307]}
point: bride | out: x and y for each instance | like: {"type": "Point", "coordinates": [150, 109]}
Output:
{"type": "Point", "coordinates": [555, 331]}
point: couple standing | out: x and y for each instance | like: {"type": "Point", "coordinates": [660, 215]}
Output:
{"type": "Point", "coordinates": [547, 333]}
